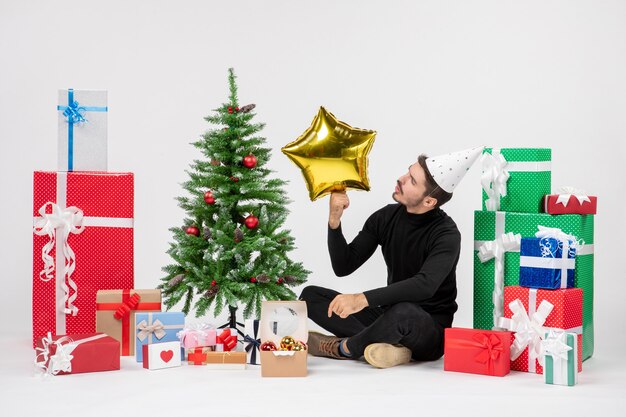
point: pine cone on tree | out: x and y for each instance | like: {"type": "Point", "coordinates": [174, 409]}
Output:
{"type": "Point", "coordinates": [211, 292]}
{"type": "Point", "coordinates": [238, 235]}
{"type": "Point", "coordinates": [247, 108]}
{"type": "Point", "coordinates": [289, 279]}
{"type": "Point", "coordinates": [263, 279]}
{"type": "Point", "coordinates": [206, 233]}
{"type": "Point", "coordinates": [176, 280]}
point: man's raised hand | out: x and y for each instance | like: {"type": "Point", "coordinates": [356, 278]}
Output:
{"type": "Point", "coordinates": [338, 202]}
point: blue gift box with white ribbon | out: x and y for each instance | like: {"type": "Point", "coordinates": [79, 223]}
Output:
{"type": "Point", "coordinates": [82, 131]}
{"type": "Point", "coordinates": [156, 328]}
{"type": "Point", "coordinates": [547, 263]}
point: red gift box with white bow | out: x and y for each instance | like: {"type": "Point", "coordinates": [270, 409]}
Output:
{"type": "Point", "coordinates": [570, 201]}
{"type": "Point", "coordinates": [530, 313]}
{"type": "Point", "coordinates": [77, 353]}
{"type": "Point", "coordinates": [82, 243]}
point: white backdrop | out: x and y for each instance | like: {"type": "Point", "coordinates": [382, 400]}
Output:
{"type": "Point", "coordinates": [429, 76]}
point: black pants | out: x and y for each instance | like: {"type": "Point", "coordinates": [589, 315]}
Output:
{"type": "Point", "coordinates": [404, 323]}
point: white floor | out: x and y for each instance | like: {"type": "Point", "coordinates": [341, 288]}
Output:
{"type": "Point", "coordinates": [332, 388]}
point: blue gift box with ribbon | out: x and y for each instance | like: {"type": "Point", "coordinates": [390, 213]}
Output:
{"type": "Point", "coordinates": [547, 263]}
{"type": "Point", "coordinates": [82, 116]}
{"type": "Point", "coordinates": [156, 328]}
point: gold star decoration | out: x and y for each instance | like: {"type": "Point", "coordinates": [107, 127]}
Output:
{"type": "Point", "coordinates": [332, 155]}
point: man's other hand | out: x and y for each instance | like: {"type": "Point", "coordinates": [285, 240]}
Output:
{"type": "Point", "coordinates": [339, 201]}
{"type": "Point", "coordinates": [345, 304]}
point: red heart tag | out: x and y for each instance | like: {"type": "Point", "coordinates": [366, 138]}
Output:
{"type": "Point", "coordinates": [167, 355]}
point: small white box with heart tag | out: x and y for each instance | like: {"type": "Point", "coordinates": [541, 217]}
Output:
{"type": "Point", "coordinates": [161, 355]}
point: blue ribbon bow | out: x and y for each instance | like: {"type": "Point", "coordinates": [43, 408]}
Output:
{"type": "Point", "coordinates": [74, 113]}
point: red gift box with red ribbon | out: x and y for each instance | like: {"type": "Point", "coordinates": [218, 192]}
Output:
{"type": "Point", "coordinates": [77, 353]}
{"type": "Point", "coordinates": [475, 351]}
{"type": "Point", "coordinates": [530, 312]}
{"type": "Point", "coordinates": [82, 242]}
{"type": "Point", "coordinates": [115, 313]}
{"type": "Point", "coordinates": [226, 340]}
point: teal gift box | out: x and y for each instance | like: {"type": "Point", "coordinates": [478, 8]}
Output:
{"type": "Point", "coordinates": [490, 226]}
{"type": "Point", "coordinates": [516, 179]}
{"type": "Point", "coordinates": [156, 328]}
{"type": "Point", "coordinates": [560, 352]}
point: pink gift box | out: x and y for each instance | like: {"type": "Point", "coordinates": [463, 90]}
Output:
{"type": "Point", "coordinates": [197, 336]}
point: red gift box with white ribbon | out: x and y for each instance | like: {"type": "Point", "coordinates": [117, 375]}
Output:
{"type": "Point", "coordinates": [530, 313]}
{"type": "Point", "coordinates": [570, 201]}
{"type": "Point", "coordinates": [82, 243]}
{"type": "Point", "coordinates": [78, 353]}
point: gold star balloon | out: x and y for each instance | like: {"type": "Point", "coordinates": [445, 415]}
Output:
{"type": "Point", "coordinates": [332, 155]}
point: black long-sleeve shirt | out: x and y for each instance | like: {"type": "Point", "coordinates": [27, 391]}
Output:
{"type": "Point", "coordinates": [421, 252]}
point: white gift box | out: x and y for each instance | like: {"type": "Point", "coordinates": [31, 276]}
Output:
{"type": "Point", "coordinates": [82, 132]}
{"type": "Point", "coordinates": [252, 341]}
{"type": "Point", "coordinates": [161, 355]}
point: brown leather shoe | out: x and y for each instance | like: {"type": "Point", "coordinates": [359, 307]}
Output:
{"type": "Point", "coordinates": [385, 355]}
{"type": "Point", "coordinates": [324, 345]}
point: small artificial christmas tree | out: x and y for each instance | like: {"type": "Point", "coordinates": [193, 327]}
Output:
{"type": "Point", "coordinates": [231, 250]}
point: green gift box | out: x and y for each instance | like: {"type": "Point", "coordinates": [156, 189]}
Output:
{"type": "Point", "coordinates": [516, 179]}
{"type": "Point", "coordinates": [489, 225]}
{"type": "Point", "coordinates": [560, 365]}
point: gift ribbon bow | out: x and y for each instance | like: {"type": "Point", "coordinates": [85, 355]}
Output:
{"type": "Point", "coordinates": [528, 329]}
{"type": "Point", "coordinates": [195, 331]}
{"type": "Point", "coordinates": [65, 221]}
{"type": "Point", "coordinates": [125, 307]}
{"type": "Point", "coordinates": [155, 328]}
{"type": "Point", "coordinates": [555, 346]}
{"type": "Point", "coordinates": [227, 339]}
{"type": "Point", "coordinates": [61, 360]}
{"type": "Point", "coordinates": [253, 342]}
{"type": "Point", "coordinates": [495, 249]}
{"type": "Point", "coordinates": [73, 112]}
{"type": "Point", "coordinates": [565, 193]}
{"type": "Point", "coordinates": [491, 348]}
{"type": "Point", "coordinates": [568, 243]}
{"type": "Point", "coordinates": [494, 178]}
